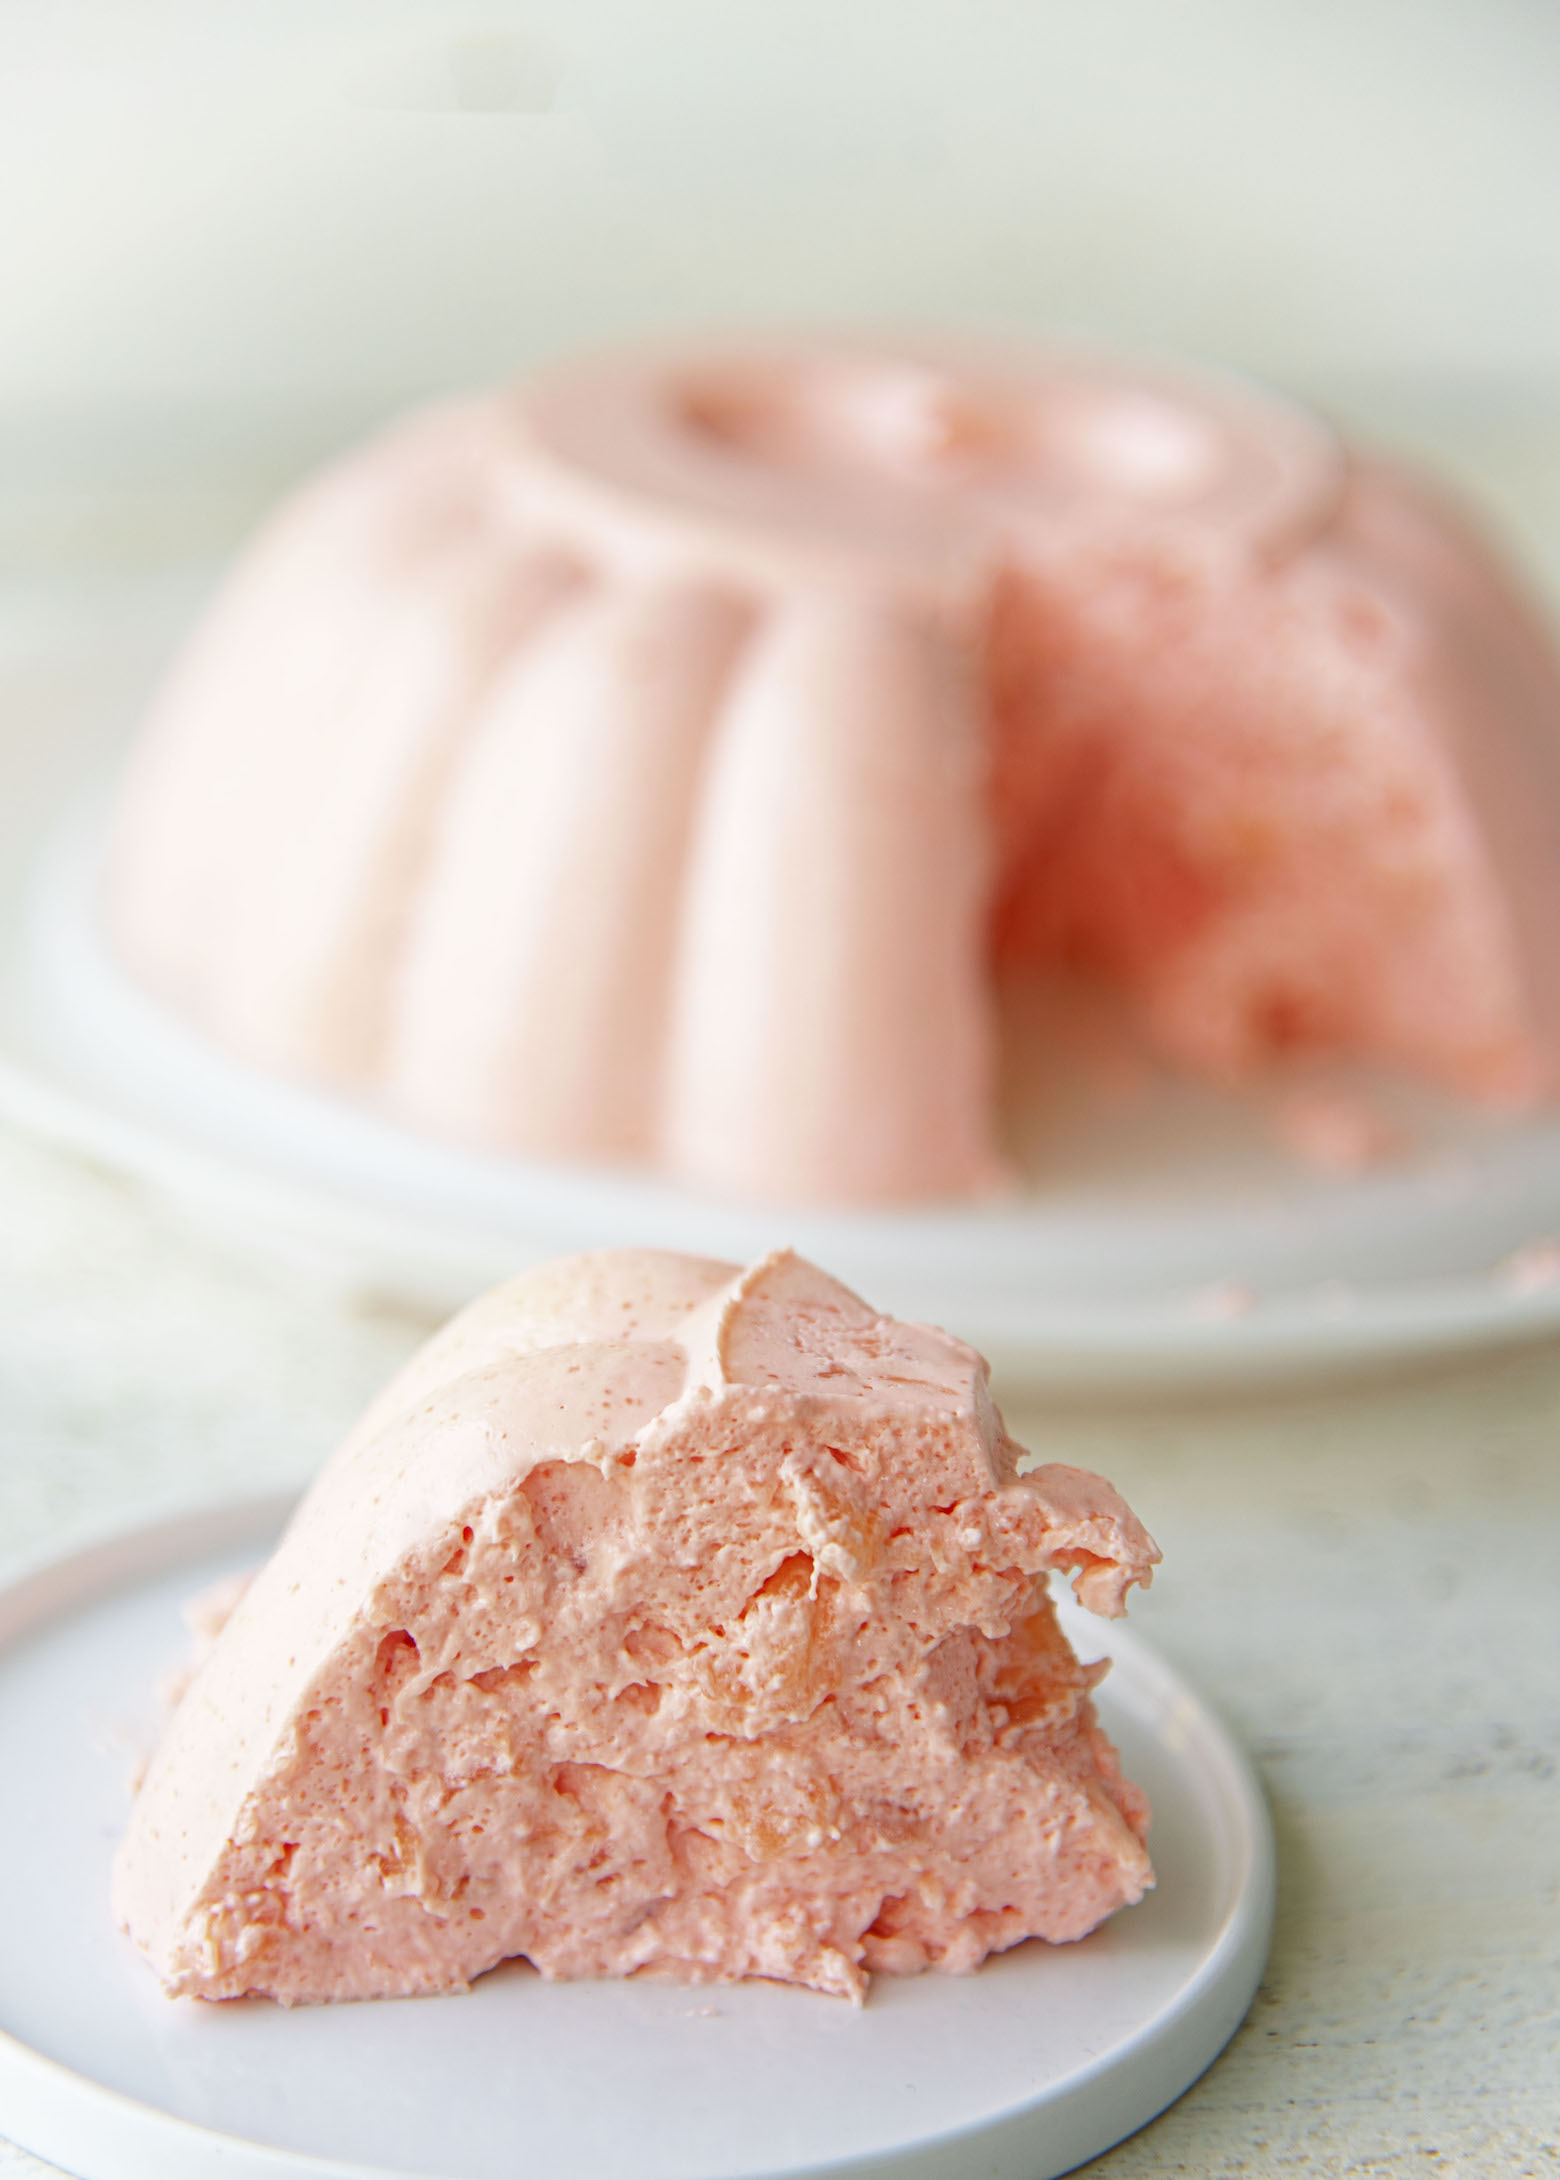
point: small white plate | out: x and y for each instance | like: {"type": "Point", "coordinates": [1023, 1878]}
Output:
{"type": "Point", "coordinates": [1039, 2061]}
{"type": "Point", "coordinates": [1164, 1234]}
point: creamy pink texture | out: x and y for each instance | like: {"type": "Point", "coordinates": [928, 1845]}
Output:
{"type": "Point", "coordinates": [659, 763]}
{"type": "Point", "coordinates": [826, 1033]}
{"type": "Point", "coordinates": [1310, 806]}
{"type": "Point", "coordinates": [662, 1618]}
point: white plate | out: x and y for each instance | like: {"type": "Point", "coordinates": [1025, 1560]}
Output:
{"type": "Point", "coordinates": [1044, 2058]}
{"type": "Point", "coordinates": [1169, 1237]}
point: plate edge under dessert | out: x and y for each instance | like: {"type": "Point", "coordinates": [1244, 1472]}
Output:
{"type": "Point", "coordinates": [104, 2134]}
{"type": "Point", "coordinates": [323, 1184]}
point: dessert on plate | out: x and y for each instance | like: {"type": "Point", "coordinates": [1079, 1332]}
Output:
{"type": "Point", "coordinates": [666, 762]}
{"type": "Point", "coordinates": [661, 1617]}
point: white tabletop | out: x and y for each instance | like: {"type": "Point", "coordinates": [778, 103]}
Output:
{"type": "Point", "coordinates": [1361, 1578]}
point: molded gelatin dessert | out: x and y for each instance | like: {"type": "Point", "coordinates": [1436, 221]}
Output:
{"type": "Point", "coordinates": [660, 1617]}
{"type": "Point", "coordinates": [663, 763]}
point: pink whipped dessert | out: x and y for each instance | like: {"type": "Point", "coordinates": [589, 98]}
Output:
{"type": "Point", "coordinates": [660, 1618]}
{"type": "Point", "coordinates": [663, 763]}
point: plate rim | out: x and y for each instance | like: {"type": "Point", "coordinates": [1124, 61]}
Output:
{"type": "Point", "coordinates": [61, 2115]}
{"type": "Point", "coordinates": [314, 1209]}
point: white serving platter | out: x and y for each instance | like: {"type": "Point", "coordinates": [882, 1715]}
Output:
{"type": "Point", "coordinates": [1162, 1234]}
{"type": "Point", "coordinates": [1039, 2061]}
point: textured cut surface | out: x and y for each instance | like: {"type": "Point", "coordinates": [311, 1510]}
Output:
{"type": "Point", "coordinates": [659, 1618]}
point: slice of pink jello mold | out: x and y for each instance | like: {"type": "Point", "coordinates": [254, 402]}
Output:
{"type": "Point", "coordinates": [663, 763]}
{"type": "Point", "coordinates": [661, 1617]}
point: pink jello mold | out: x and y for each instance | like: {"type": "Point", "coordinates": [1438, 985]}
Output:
{"type": "Point", "coordinates": [665, 762]}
